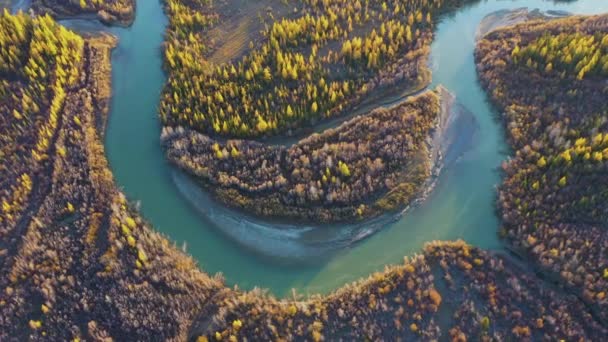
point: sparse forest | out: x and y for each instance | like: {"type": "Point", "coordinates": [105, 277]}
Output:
{"type": "Point", "coordinates": [547, 78]}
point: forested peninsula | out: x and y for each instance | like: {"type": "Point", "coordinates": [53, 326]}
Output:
{"type": "Point", "coordinates": [371, 164]}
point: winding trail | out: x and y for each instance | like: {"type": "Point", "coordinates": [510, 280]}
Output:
{"type": "Point", "coordinates": [461, 205]}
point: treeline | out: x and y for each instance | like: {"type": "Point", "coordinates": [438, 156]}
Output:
{"type": "Point", "coordinates": [554, 199]}
{"type": "Point", "coordinates": [309, 65]}
{"type": "Point", "coordinates": [39, 61]}
{"type": "Point", "coordinates": [372, 163]}
{"type": "Point", "coordinates": [120, 12]}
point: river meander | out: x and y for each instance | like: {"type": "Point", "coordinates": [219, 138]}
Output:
{"type": "Point", "coordinates": [460, 206]}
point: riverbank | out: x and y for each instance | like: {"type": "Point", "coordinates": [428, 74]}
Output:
{"type": "Point", "coordinates": [451, 290]}
{"type": "Point", "coordinates": [504, 18]}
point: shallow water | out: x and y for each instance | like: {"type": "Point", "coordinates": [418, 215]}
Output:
{"type": "Point", "coordinates": [461, 206]}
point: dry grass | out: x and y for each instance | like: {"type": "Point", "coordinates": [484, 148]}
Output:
{"type": "Point", "coordinates": [241, 22]}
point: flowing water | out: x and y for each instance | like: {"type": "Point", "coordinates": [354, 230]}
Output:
{"type": "Point", "coordinates": [461, 205]}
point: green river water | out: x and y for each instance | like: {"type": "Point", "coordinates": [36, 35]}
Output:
{"type": "Point", "coordinates": [460, 206]}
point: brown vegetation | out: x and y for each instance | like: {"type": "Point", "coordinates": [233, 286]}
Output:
{"type": "Point", "coordinates": [453, 290]}
{"type": "Point", "coordinates": [547, 78]}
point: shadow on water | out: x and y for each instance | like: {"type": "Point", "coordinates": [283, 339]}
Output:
{"type": "Point", "coordinates": [461, 205]}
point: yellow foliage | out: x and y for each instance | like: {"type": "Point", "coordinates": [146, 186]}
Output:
{"type": "Point", "coordinates": [125, 230]}
{"type": "Point", "coordinates": [598, 156]}
{"type": "Point", "coordinates": [141, 255]}
{"type": "Point", "coordinates": [541, 162]}
{"type": "Point", "coordinates": [130, 222]}
{"type": "Point", "coordinates": [234, 152]}
{"type": "Point", "coordinates": [580, 142]}
{"type": "Point", "coordinates": [566, 155]}
{"type": "Point", "coordinates": [61, 151]}
{"type": "Point", "coordinates": [131, 241]}
{"type": "Point", "coordinates": [17, 115]}
{"type": "Point", "coordinates": [535, 185]}
{"type": "Point", "coordinates": [344, 170]}
{"type": "Point", "coordinates": [35, 324]}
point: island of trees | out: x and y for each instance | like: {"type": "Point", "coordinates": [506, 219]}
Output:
{"type": "Point", "coordinates": [119, 12]}
{"type": "Point", "coordinates": [548, 77]}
